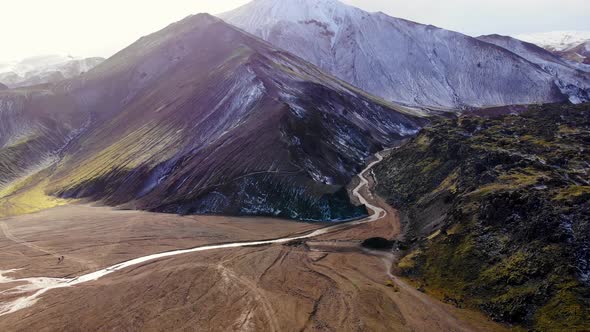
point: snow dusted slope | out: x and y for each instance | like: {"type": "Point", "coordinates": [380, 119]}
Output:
{"type": "Point", "coordinates": [396, 59]}
{"type": "Point", "coordinates": [556, 40]}
{"type": "Point", "coordinates": [44, 69]}
{"type": "Point", "coordinates": [571, 77]}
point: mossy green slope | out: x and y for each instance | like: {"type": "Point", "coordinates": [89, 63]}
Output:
{"type": "Point", "coordinates": [498, 214]}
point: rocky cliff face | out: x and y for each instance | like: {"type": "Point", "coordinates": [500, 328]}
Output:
{"type": "Point", "coordinates": [497, 213]}
{"type": "Point", "coordinates": [399, 60]}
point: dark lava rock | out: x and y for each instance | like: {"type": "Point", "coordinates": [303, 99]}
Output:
{"type": "Point", "coordinates": [500, 210]}
{"type": "Point", "coordinates": [378, 243]}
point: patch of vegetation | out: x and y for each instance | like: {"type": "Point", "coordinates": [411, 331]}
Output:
{"type": "Point", "coordinates": [28, 196]}
{"type": "Point", "coordinates": [500, 209]}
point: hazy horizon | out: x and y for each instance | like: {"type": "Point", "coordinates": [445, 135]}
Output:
{"type": "Point", "coordinates": [67, 28]}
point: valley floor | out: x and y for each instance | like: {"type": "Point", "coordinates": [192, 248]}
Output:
{"type": "Point", "coordinates": [325, 283]}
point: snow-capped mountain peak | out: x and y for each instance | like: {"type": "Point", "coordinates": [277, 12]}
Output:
{"type": "Point", "coordinates": [402, 61]}
{"type": "Point", "coordinates": [324, 16]}
{"type": "Point", "coordinates": [556, 40]}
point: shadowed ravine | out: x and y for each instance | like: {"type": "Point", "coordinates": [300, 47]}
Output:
{"type": "Point", "coordinates": [41, 285]}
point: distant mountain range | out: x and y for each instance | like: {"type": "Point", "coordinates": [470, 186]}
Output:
{"type": "Point", "coordinates": [571, 45]}
{"type": "Point", "coordinates": [44, 69]}
{"type": "Point", "coordinates": [407, 62]}
{"type": "Point", "coordinates": [556, 40]}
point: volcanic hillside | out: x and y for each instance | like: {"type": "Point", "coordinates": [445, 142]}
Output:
{"type": "Point", "coordinates": [403, 61]}
{"type": "Point", "coordinates": [203, 118]}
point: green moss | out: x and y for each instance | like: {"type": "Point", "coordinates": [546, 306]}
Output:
{"type": "Point", "coordinates": [28, 196]}
{"type": "Point", "coordinates": [499, 215]}
{"type": "Point", "coordinates": [128, 153]}
{"type": "Point", "coordinates": [509, 270]}
{"type": "Point", "coordinates": [409, 261]}
{"type": "Point", "coordinates": [537, 141]}
{"type": "Point", "coordinates": [572, 192]}
{"type": "Point", "coordinates": [422, 142]}
{"type": "Point", "coordinates": [513, 180]}
{"type": "Point", "coordinates": [431, 165]}
{"type": "Point", "coordinates": [565, 311]}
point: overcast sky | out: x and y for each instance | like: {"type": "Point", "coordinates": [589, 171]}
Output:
{"type": "Point", "coordinates": [100, 28]}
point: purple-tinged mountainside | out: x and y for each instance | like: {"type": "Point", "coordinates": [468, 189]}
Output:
{"type": "Point", "coordinates": [573, 78]}
{"type": "Point", "coordinates": [202, 117]}
{"type": "Point", "coordinates": [579, 53]}
{"type": "Point", "coordinates": [399, 60]}
{"type": "Point", "coordinates": [35, 126]}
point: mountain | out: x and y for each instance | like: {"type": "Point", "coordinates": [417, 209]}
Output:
{"type": "Point", "coordinates": [396, 59]}
{"type": "Point", "coordinates": [44, 69]}
{"type": "Point", "coordinates": [202, 117]}
{"type": "Point", "coordinates": [570, 77]}
{"type": "Point", "coordinates": [579, 53]}
{"type": "Point", "coordinates": [498, 214]}
{"type": "Point", "coordinates": [571, 45]}
{"type": "Point", "coordinates": [556, 40]}
{"type": "Point", "coordinates": [34, 126]}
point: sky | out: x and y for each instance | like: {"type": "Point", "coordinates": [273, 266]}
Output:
{"type": "Point", "coordinates": [101, 28]}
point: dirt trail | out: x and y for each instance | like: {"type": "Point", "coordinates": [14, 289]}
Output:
{"type": "Point", "coordinates": [257, 293]}
{"type": "Point", "coordinates": [11, 237]}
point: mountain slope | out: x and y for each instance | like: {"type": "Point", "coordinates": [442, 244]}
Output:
{"type": "Point", "coordinates": [34, 126]}
{"type": "Point", "coordinates": [579, 53]}
{"type": "Point", "coordinates": [203, 118]}
{"type": "Point", "coordinates": [44, 69]}
{"type": "Point", "coordinates": [396, 59]}
{"type": "Point", "coordinates": [570, 77]}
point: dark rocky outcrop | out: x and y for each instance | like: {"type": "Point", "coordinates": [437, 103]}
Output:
{"type": "Point", "coordinates": [378, 243]}
{"type": "Point", "coordinates": [502, 208]}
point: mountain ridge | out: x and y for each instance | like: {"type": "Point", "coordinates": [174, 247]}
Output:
{"type": "Point", "coordinates": [235, 127]}
{"type": "Point", "coordinates": [396, 59]}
